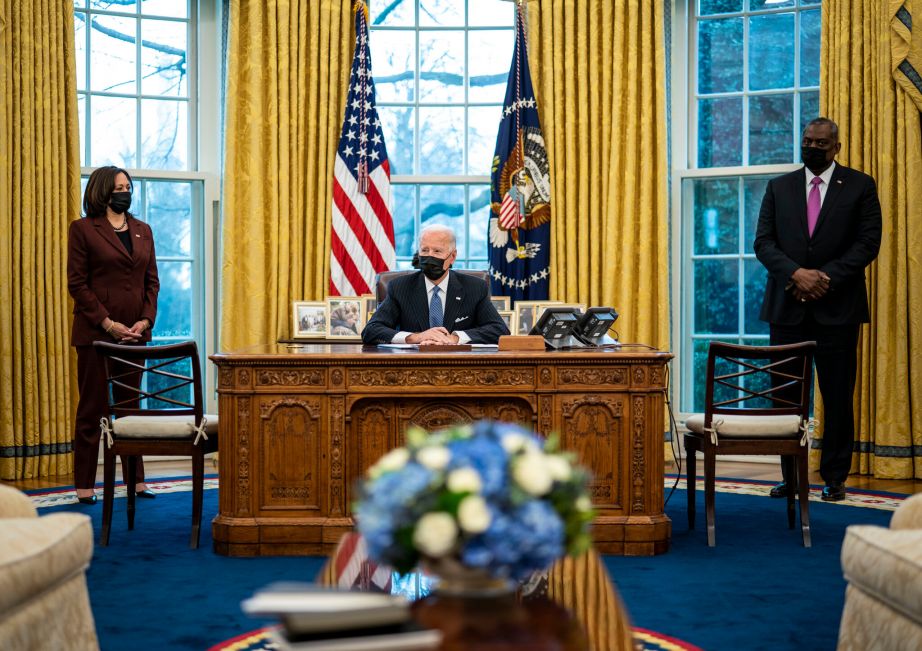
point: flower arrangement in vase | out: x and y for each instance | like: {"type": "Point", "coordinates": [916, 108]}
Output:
{"type": "Point", "coordinates": [490, 497]}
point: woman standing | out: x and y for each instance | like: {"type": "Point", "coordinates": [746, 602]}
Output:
{"type": "Point", "coordinates": [112, 277]}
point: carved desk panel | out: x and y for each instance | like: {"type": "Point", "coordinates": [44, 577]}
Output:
{"type": "Point", "coordinates": [299, 425]}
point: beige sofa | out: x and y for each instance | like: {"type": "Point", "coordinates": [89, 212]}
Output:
{"type": "Point", "coordinates": [44, 602]}
{"type": "Point", "coordinates": [883, 567]}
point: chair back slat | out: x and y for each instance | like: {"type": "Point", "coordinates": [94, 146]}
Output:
{"type": "Point", "coordinates": [779, 375]}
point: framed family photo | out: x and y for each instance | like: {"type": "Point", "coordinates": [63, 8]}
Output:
{"type": "Point", "coordinates": [371, 304]}
{"type": "Point", "coordinates": [501, 303]}
{"type": "Point", "coordinates": [527, 313]}
{"type": "Point", "coordinates": [347, 317]}
{"type": "Point", "coordinates": [508, 317]}
{"type": "Point", "coordinates": [309, 319]}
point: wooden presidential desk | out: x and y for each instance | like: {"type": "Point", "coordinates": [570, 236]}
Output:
{"type": "Point", "coordinates": [299, 425]}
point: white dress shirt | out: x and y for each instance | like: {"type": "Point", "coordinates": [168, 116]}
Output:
{"type": "Point", "coordinates": [463, 338]}
{"type": "Point", "coordinates": [826, 177]}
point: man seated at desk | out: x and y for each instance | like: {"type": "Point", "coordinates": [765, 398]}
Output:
{"type": "Point", "coordinates": [435, 305]}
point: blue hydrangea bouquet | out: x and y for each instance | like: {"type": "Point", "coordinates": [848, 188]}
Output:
{"type": "Point", "coordinates": [491, 496]}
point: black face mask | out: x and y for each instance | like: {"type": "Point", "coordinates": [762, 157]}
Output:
{"type": "Point", "coordinates": [433, 267]}
{"type": "Point", "coordinates": [415, 261]}
{"type": "Point", "coordinates": [814, 158]}
{"type": "Point", "coordinates": [120, 202]}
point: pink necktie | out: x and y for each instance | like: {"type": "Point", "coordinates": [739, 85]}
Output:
{"type": "Point", "coordinates": [813, 204]}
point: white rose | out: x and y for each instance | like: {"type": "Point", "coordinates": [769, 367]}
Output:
{"type": "Point", "coordinates": [434, 457]}
{"type": "Point", "coordinates": [530, 472]}
{"type": "Point", "coordinates": [473, 514]}
{"type": "Point", "coordinates": [559, 467]}
{"type": "Point", "coordinates": [435, 534]}
{"type": "Point", "coordinates": [583, 503]}
{"type": "Point", "coordinates": [512, 443]}
{"type": "Point", "coordinates": [393, 460]}
{"type": "Point", "coordinates": [464, 480]}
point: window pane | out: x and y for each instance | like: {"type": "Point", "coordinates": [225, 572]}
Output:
{"type": "Point", "coordinates": [480, 219]}
{"type": "Point", "coordinates": [720, 132]}
{"type": "Point", "coordinates": [720, 55]}
{"type": "Point", "coordinates": [163, 58]}
{"type": "Point", "coordinates": [753, 192]}
{"type": "Point", "coordinates": [483, 123]}
{"type": "Point", "coordinates": [125, 6]}
{"type": "Point", "coordinates": [169, 213]}
{"type": "Point", "coordinates": [489, 58]}
{"type": "Point", "coordinates": [809, 109]}
{"type": "Point", "coordinates": [441, 66]}
{"type": "Point", "coordinates": [174, 303]}
{"type": "Point", "coordinates": [403, 198]}
{"type": "Point", "coordinates": [80, 42]}
{"type": "Point", "coordinates": [771, 51]}
{"type": "Point", "coordinates": [171, 8]}
{"type": "Point", "coordinates": [81, 117]}
{"type": "Point", "coordinates": [441, 13]}
{"type": "Point", "coordinates": [716, 216]}
{"type": "Point", "coordinates": [487, 13]}
{"type": "Point", "coordinates": [164, 135]}
{"type": "Point", "coordinates": [700, 365]}
{"type": "Point", "coordinates": [393, 13]}
{"type": "Point", "coordinates": [753, 291]}
{"type": "Point", "coordinates": [398, 126]}
{"type": "Point", "coordinates": [708, 7]}
{"type": "Point", "coordinates": [716, 296]}
{"type": "Point", "coordinates": [79, 3]}
{"type": "Point", "coordinates": [393, 61]}
{"type": "Point", "coordinates": [442, 146]}
{"type": "Point", "coordinates": [444, 204]}
{"type": "Point", "coordinates": [113, 54]}
{"type": "Point", "coordinates": [771, 129]}
{"type": "Point", "coordinates": [113, 131]}
{"type": "Point", "coordinates": [810, 48]}
{"type": "Point", "coordinates": [757, 5]}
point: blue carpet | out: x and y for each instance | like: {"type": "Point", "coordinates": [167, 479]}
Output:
{"type": "Point", "coordinates": [758, 589]}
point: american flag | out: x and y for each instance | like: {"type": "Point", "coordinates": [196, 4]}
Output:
{"type": "Point", "coordinates": [362, 237]}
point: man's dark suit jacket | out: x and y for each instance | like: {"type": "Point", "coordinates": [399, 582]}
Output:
{"type": "Point", "coordinates": [406, 308]}
{"type": "Point", "coordinates": [107, 281]}
{"type": "Point", "coordinates": [845, 241]}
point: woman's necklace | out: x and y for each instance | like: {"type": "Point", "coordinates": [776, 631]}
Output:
{"type": "Point", "coordinates": [123, 225]}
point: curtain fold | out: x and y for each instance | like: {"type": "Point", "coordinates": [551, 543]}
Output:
{"type": "Point", "coordinates": [39, 195]}
{"type": "Point", "coordinates": [599, 69]}
{"type": "Point", "coordinates": [868, 87]}
{"type": "Point", "coordinates": [288, 72]}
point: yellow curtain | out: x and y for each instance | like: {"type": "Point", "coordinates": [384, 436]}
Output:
{"type": "Point", "coordinates": [288, 71]}
{"type": "Point", "coordinates": [868, 57]}
{"type": "Point", "coordinates": [39, 195]}
{"type": "Point", "coordinates": [599, 72]}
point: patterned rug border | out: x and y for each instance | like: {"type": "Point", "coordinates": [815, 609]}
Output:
{"type": "Point", "coordinates": [884, 501]}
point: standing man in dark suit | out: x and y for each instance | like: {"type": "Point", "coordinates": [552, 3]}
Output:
{"type": "Point", "coordinates": [435, 305]}
{"type": "Point", "coordinates": [819, 227]}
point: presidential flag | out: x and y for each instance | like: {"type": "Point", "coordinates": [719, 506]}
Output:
{"type": "Point", "coordinates": [362, 237]}
{"type": "Point", "coordinates": [520, 187]}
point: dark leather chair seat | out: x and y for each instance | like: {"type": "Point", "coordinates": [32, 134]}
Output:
{"type": "Point", "coordinates": [385, 277]}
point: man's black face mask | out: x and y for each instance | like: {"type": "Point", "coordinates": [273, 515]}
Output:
{"type": "Point", "coordinates": [814, 158]}
{"type": "Point", "coordinates": [431, 266]}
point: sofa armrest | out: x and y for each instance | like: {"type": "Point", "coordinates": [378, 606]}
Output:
{"type": "Point", "coordinates": [15, 504]}
{"type": "Point", "coordinates": [909, 514]}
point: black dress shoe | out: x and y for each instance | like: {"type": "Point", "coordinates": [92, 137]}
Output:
{"type": "Point", "coordinates": [780, 490]}
{"type": "Point", "coordinates": [834, 492]}
{"type": "Point", "coordinates": [87, 500]}
{"type": "Point", "coordinates": [146, 494]}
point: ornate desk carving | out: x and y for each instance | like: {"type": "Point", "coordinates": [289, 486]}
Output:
{"type": "Point", "coordinates": [300, 424]}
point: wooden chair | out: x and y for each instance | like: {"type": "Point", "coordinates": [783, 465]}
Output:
{"type": "Point", "coordinates": [156, 408]}
{"type": "Point", "coordinates": [385, 277]}
{"type": "Point", "coordinates": [757, 402]}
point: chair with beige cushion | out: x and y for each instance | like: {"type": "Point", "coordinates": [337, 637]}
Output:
{"type": "Point", "coordinates": [43, 597]}
{"type": "Point", "coordinates": [156, 404]}
{"type": "Point", "coordinates": [883, 567]}
{"type": "Point", "coordinates": [757, 402]}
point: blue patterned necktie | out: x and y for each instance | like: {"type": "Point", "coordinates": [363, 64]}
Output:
{"type": "Point", "coordinates": [435, 309]}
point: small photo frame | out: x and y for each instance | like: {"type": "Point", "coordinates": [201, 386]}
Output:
{"type": "Point", "coordinates": [508, 316]}
{"type": "Point", "coordinates": [346, 317]}
{"type": "Point", "coordinates": [371, 304]}
{"type": "Point", "coordinates": [526, 315]}
{"type": "Point", "coordinates": [501, 303]}
{"type": "Point", "coordinates": [309, 319]}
